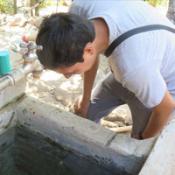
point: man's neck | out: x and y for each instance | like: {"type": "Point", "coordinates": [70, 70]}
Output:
{"type": "Point", "coordinates": [101, 41]}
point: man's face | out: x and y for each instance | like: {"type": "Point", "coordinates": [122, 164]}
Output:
{"type": "Point", "coordinates": [89, 57]}
{"type": "Point", "coordinates": [77, 68]}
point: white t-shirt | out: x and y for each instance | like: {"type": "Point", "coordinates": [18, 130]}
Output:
{"type": "Point", "coordinates": [144, 63]}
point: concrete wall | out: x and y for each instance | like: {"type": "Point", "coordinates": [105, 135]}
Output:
{"type": "Point", "coordinates": [162, 158]}
{"type": "Point", "coordinates": [12, 92]}
{"type": "Point", "coordinates": [120, 152]}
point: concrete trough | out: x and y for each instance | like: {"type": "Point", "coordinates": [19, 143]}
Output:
{"type": "Point", "coordinates": [118, 153]}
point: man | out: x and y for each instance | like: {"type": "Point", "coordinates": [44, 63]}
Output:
{"type": "Point", "coordinates": [142, 67]}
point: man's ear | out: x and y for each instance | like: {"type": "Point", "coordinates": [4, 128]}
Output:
{"type": "Point", "coordinates": [89, 49]}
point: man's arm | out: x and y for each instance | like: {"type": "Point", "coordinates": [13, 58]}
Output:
{"type": "Point", "coordinates": [159, 117]}
{"type": "Point", "coordinates": [88, 78]}
{"type": "Point", "coordinates": [101, 43]}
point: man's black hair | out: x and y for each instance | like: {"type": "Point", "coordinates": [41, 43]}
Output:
{"type": "Point", "coordinates": [63, 37]}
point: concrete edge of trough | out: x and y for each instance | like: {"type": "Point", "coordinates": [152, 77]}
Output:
{"type": "Point", "coordinates": [8, 118]}
{"type": "Point", "coordinates": [161, 160]}
{"type": "Point", "coordinates": [83, 135]}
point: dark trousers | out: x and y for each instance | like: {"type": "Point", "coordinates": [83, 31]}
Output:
{"type": "Point", "coordinates": [109, 94]}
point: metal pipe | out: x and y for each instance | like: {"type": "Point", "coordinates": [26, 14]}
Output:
{"type": "Point", "coordinates": [19, 74]}
{"type": "Point", "coordinates": [31, 63]}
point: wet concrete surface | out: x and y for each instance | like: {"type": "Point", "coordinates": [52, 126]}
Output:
{"type": "Point", "coordinates": [24, 152]}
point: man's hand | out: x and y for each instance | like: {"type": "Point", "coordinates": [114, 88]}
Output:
{"type": "Point", "coordinates": [137, 136]}
{"type": "Point", "coordinates": [81, 107]}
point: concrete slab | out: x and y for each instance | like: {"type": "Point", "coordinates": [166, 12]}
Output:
{"type": "Point", "coordinates": [12, 92]}
{"type": "Point", "coordinates": [161, 160]}
{"type": "Point", "coordinates": [67, 122]}
{"type": "Point", "coordinates": [128, 146]}
{"type": "Point", "coordinates": [8, 118]}
{"type": "Point", "coordinates": [136, 152]}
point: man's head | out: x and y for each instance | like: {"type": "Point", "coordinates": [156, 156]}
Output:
{"type": "Point", "coordinates": [67, 41]}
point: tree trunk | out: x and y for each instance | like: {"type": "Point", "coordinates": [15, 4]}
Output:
{"type": "Point", "coordinates": [15, 6]}
{"type": "Point", "coordinates": [171, 11]}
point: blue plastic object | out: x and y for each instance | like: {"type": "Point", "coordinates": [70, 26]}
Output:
{"type": "Point", "coordinates": [5, 65]}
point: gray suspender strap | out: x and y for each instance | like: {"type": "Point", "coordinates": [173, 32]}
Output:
{"type": "Point", "coordinates": [132, 32]}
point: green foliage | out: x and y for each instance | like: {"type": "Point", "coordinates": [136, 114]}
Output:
{"type": "Point", "coordinates": [47, 3]}
{"type": "Point", "coordinates": [6, 6]}
{"type": "Point", "coordinates": [157, 2]}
